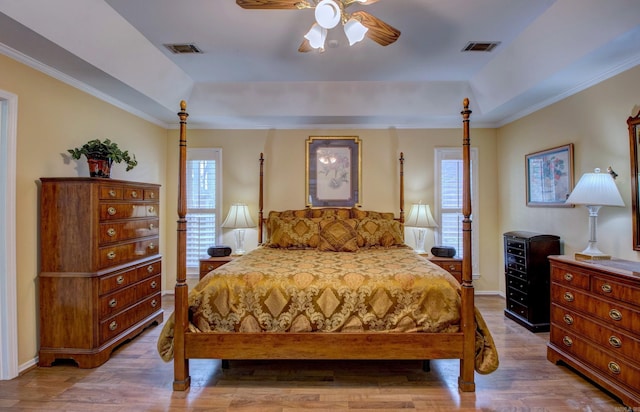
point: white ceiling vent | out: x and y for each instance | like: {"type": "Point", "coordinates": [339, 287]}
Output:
{"type": "Point", "coordinates": [184, 48]}
{"type": "Point", "coordinates": [482, 46]}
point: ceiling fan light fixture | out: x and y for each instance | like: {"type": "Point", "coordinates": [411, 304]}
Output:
{"type": "Point", "coordinates": [328, 14]}
{"type": "Point", "coordinates": [316, 36]}
{"type": "Point", "coordinates": [355, 31]}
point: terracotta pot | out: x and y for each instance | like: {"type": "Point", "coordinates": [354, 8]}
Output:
{"type": "Point", "coordinates": [100, 167]}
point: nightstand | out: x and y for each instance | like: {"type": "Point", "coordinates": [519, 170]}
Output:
{"type": "Point", "coordinates": [208, 264]}
{"type": "Point", "coordinates": [451, 265]}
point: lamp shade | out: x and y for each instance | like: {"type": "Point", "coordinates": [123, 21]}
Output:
{"type": "Point", "coordinates": [238, 217]}
{"type": "Point", "coordinates": [596, 189]}
{"type": "Point", "coordinates": [420, 216]}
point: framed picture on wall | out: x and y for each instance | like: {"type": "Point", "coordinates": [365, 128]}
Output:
{"type": "Point", "coordinates": [549, 175]}
{"type": "Point", "coordinates": [333, 171]}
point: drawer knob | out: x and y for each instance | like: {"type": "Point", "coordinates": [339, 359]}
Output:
{"type": "Point", "coordinates": [567, 341]}
{"type": "Point", "coordinates": [154, 284]}
{"type": "Point", "coordinates": [111, 211]}
{"type": "Point", "coordinates": [568, 277]}
{"type": "Point", "coordinates": [615, 341]}
{"type": "Point", "coordinates": [606, 288]}
{"type": "Point", "coordinates": [134, 194]}
{"type": "Point", "coordinates": [112, 193]}
{"type": "Point", "coordinates": [568, 296]}
{"type": "Point", "coordinates": [154, 303]}
{"type": "Point", "coordinates": [113, 325]}
{"type": "Point", "coordinates": [150, 269]}
{"type": "Point", "coordinates": [452, 267]}
{"type": "Point", "coordinates": [615, 314]}
{"type": "Point", "coordinates": [151, 226]}
{"type": "Point", "coordinates": [111, 232]}
{"type": "Point", "coordinates": [120, 280]}
{"type": "Point", "coordinates": [152, 246]}
{"type": "Point", "coordinates": [111, 255]}
{"type": "Point", "coordinates": [210, 268]}
{"type": "Point", "coordinates": [113, 302]}
{"type": "Point", "coordinates": [152, 195]}
{"type": "Point", "coordinates": [152, 209]}
{"type": "Point", "coordinates": [614, 368]}
{"type": "Point", "coordinates": [568, 319]}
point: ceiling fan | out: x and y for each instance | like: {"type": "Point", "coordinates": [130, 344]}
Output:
{"type": "Point", "coordinates": [328, 14]}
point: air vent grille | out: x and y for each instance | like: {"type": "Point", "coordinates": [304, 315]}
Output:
{"type": "Point", "coordinates": [184, 48]}
{"type": "Point", "coordinates": [481, 46]}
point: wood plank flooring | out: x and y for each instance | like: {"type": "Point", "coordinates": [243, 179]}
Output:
{"type": "Point", "coordinates": [136, 379]}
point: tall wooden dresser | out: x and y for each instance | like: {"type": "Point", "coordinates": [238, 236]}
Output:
{"type": "Point", "coordinates": [526, 269]}
{"type": "Point", "coordinates": [100, 269]}
{"type": "Point", "coordinates": [595, 322]}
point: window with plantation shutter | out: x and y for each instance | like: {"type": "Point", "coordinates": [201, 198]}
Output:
{"type": "Point", "coordinates": [448, 199]}
{"type": "Point", "coordinates": [203, 203]}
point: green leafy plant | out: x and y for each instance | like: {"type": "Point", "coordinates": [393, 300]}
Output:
{"type": "Point", "coordinates": [104, 150]}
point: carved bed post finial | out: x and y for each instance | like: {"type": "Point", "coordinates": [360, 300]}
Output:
{"type": "Point", "coordinates": [261, 199]}
{"type": "Point", "coordinates": [401, 187]}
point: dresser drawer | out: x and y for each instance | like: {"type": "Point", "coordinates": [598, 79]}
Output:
{"type": "Point", "coordinates": [118, 280]}
{"type": "Point", "coordinates": [613, 339]}
{"type": "Point", "coordinates": [517, 296]}
{"type": "Point", "coordinates": [119, 231]}
{"type": "Point", "coordinates": [119, 323]}
{"type": "Point", "coordinates": [517, 308]}
{"type": "Point", "coordinates": [614, 367]}
{"type": "Point", "coordinates": [610, 313]}
{"type": "Point", "coordinates": [150, 269]}
{"type": "Point", "coordinates": [148, 287]}
{"type": "Point", "coordinates": [110, 192]}
{"type": "Point", "coordinates": [115, 302]}
{"type": "Point", "coordinates": [112, 211]}
{"type": "Point", "coordinates": [127, 252]}
{"type": "Point", "coordinates": [616, 290]}
{"type": "Point", "coordinates": [151, 194]}
{"type": "Point", "coordinates": [517, 283]}
{"type": "Point", "coordinates": [569, 277]}
{"type": "Point", "coordinates": [133, 193]}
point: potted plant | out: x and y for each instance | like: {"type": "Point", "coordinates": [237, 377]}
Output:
{"type": "Point", "coordinates": [101, 155]}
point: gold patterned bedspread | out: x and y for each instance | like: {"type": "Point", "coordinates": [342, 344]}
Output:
{"type": "Point", "coordinates": [371, 290]}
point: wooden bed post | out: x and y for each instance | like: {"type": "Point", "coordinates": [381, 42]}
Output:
{"type": "Point", "coordinates": [260, 199]}
{"type": "Point", "coordinates": [401, 187]}
{"type": "Point", "coordinates": [466, 381]}
{"type": "Point", "coordinates": [181, 378]}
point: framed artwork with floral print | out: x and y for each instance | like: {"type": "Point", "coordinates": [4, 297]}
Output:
{"type": "Point", "coordinates": [333, 171]}
{"type": "Point", "coordinates": [550, 176]}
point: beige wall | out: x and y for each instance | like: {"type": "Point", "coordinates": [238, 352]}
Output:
{"type": "Point", "coordinates": [284, 174]}
{"type": "Point", "coordinates": [595, 122]}
{"type": "Point", "coordinates": [53, 117]}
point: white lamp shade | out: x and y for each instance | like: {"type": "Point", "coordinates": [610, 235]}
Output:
{"type": "Point", "coordinates": [355, 31]}
{"type": "Point", "coordinates": [420, 216]}
{"type": "Point", "coordinates": [328, 14]}
{"type": "Point", "coordinates": [596, 189]}
{"type": "Point", "coordinates": [238, 217]}
{"type": "Point", "coordinates": [316, 36]}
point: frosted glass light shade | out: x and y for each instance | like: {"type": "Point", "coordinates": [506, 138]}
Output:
{"type": "Point", "coordinates": [316, 36]}
{"type": "Point", "coordinates": [355, 31]}
{"type": "Point", "coordinates": [596, 189]}
{"type": "Point", "coordinates": [328, 14]}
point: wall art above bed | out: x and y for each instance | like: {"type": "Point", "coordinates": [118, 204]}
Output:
{"type": "Point", "coordinates": [550, 176]}
{"type": "Point", "coordinates": [333, 171]}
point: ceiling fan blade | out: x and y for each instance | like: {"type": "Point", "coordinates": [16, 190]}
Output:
{"type": "Point", "coordinates": [273, 4]}
{"type": "Point", "coordinates": [379, 31]}
{"type": "Point", "coordinates": [305, 47]}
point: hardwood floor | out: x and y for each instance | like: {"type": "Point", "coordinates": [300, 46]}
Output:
{"type": "Point", "coordinates": [136, 379]}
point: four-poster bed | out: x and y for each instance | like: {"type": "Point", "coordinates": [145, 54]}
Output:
{"type": "Point", "coordinates": [332, 283]}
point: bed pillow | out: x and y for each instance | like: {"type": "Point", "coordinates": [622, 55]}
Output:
{"type": "Point", "coordinates": [380, 232]}
{"type": "Point", "coordinates": [284, 214]}
{"type": "Point", "coordinates": [293, 233]}
{"type": "Point", "coordinates": [338, 235]}
{"type": "Point", "coordinates": [361, 214]}
{"type": "Point", "coordinates": [331, 212]}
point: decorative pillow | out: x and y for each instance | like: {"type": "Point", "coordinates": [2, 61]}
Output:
{"type": "Point", "coordinates": [338, 235]}
{"type": "Point", "coordinates": [293, 233]}
{"type": "Point", "coordinates": [380, 232]}
{"type": "Point", "coordinates": [285, 214]}
{"type": "Point", "coordinates": [361, 214]}
{"type": "Point", "coordinates": [340, 213]}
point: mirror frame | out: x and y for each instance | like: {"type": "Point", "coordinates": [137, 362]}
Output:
{"type": "Point", "coordinates": [634, 140]}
